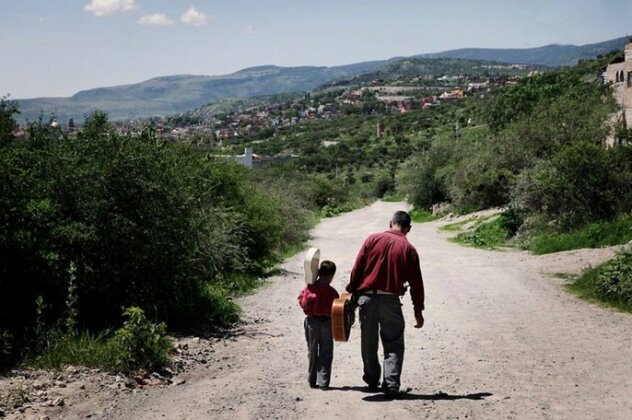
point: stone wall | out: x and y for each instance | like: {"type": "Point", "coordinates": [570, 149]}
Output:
{"type": "Point", "coordinates": [620, 76]}
{"type": "Point", "coordinates": [627, 71]}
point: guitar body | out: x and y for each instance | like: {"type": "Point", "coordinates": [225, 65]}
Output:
{"type": "Point", "coordinates": [342, 316]}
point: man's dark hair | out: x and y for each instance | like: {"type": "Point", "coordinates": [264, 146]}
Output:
{"type": "Point", "coordinates": [326, 268]}
{"type": "Point", "coordinates": [401, 218]}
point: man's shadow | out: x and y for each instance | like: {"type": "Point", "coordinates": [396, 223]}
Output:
{"type": "Point", "coordinates": [439, 396]}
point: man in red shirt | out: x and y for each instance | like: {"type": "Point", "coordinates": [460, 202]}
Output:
{"type": "Point", "coordinates": [316, 300]}
{"type": "Point", "coordinates": [385, 263]}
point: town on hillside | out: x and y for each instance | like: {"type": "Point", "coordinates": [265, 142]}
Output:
{"type": "Point", "coordinates": [371, 94]}
{"type": "Point", "coordinates": [387, 92]}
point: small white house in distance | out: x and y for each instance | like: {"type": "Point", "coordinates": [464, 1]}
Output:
{"type": "Point", "coordinates": [247, 158]}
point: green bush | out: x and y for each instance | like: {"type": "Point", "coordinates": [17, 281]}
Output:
{"type": "Point", "coordinates": [139, 344]}
{"type": "Point", "coordinates": [614, 282]}
{"type": "Point", "coordinates": [584, 182]}
{"type": "Point", "coordinates": [138, 221]}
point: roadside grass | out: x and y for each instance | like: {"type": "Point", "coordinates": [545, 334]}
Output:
{"type": "Point", "coordinates": [457, 226]}
{"type": "Point", "coordinates": [392, 198]}
{"type": "Point", "coordinates": [487, 233]}
{"type": "Point", "coordinates": [594, 235]}
{"type": "Point", "coordinates": [350, 205]}
{"type": "Point", "coordinates": [239, 284]}
{"type": "Point", "coordinates": [423, 216]}
{"type": "Point", "coordinates": [138, 345]}
{"type": "Point", "coordinates": [84, 349]}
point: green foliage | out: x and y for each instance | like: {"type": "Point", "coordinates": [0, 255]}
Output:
{"type": "Point", "coordinates": [457, 226]}
{"type": "Point", "coordinates": [7, 343]}
{"type": "Point", "coordinates": [82, 348]}
{"type": "Point", "coordinates": [139, 344]}
{"type": "Point", "coordinates": [543, 156]}
{"type": "Point", "coordinates": [581, 183]}
{"type": "Point", "coordinates": [488, 234]}
{"type": "Point", "coordinates": [422, 216]}
{"type": "Point", "coordinates": [392, 198]}
{"type": "Point", "coordinates": [212, 302]}
{"type": "Point", "coordinates": [593, 235]}
{"type": "Point", "coordinates": [609, 284]}
{"type": "Point", "coordinates": [139, 223]}
{"type": "Point", "coordinates": [72, 313]}
{"type": "Point", "coordinates": [535, 94]}
{"type": "Point", "coordinates": [614, 282]}
{"type": "Point", "coordinates": [8, 109]}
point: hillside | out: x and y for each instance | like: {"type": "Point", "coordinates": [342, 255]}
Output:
{"type": "Point", "coordinates": [550, 55]}
{"type": "Point", "coordinates": [174, 94]}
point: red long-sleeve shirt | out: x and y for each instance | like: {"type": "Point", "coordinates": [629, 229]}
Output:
{"type": "Point", "coordinates": [316, 299]}
{"type": "Point", "coordinates": [386, 262]}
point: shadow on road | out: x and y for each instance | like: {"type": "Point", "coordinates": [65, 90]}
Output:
{"type": "Point", "coordinates": [440, 396]}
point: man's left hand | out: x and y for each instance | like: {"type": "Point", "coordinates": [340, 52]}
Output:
{"type": "Point", "coordinates": [420, 320]}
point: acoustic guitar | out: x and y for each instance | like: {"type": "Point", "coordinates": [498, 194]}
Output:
{"type": "Point", "coordinates": [312, 258]}
{"type": "Point", "coordinates": [342, 316]}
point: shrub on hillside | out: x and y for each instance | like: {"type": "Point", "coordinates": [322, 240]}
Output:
{"type": "Point", "coordinates": [614, 282]}
{"type": "Point", "coordinates": [584, 182]}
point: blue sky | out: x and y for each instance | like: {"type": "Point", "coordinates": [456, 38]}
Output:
{"type": "Point", "coordinates": [58, 47]}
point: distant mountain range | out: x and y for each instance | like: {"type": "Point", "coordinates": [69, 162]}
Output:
{"type": "Point", "coordinates": [550, 55]}
{"type": "Point", "coordinates": [175, 94]}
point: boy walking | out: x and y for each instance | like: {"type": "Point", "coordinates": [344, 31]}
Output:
{"type": "Point", "coordinates": [316, 300]}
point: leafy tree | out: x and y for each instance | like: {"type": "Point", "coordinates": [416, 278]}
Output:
{"type": "Point", "coordinates": [7, 123]}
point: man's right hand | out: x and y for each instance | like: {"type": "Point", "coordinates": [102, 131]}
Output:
{"type": "Point", "coordinates": [420, 320]}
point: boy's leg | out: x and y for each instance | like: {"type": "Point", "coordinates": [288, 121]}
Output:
{"type": "Point", "coordinates": [311, 337]}
{"type": "Point", "coordinates": [325, 353]}
{"type": "Point", "coordinates": [369, 339]}
{"type": "Point", "coordinates": [392, 335]}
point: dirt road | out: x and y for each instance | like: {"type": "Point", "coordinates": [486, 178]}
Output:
{"type": "Point", "coordinates": [501, 340]}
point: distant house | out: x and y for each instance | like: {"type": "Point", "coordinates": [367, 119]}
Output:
{"type": "Point", "coordinates": [477, 87]}
{"type": "Point", "coordinates": [450, 96]}
{"type": "Point", "coordinates": [427, 102]}
{"type": "Point", "coordinates": [619, 75]}
{"type": "Point", "coordinates": [247, 158]}
{"type": "Point", "coordinates": [19, 132]}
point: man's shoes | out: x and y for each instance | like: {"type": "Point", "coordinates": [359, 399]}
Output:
{"type": "Point", "coordinates": [375, 388]}
{"type": "Point", "coordinates": [395, 394]}
{"type": "Point", "coordinates": [324, 387]}
{"type": "Point", "coordinates": [313, 386]}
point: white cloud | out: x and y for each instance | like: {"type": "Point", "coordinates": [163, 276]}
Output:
{"type": "Point", "coordinates": [249, 29]}
{"type": "Point", "coordinates": [155, 19]}
{"type": "Point", "coordinates": [194, 18]}
{"type": "Point", "coordinates": [109, 7]}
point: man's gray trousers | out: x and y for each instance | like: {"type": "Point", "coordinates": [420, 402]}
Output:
{"type": "Point", "coordinates": [382, 314]}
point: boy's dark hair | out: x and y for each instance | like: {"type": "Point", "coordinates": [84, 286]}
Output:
{"type": "Point", "coordinates": [327, 268]}
{"type": "Point", "coordinates": [401, 218]}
